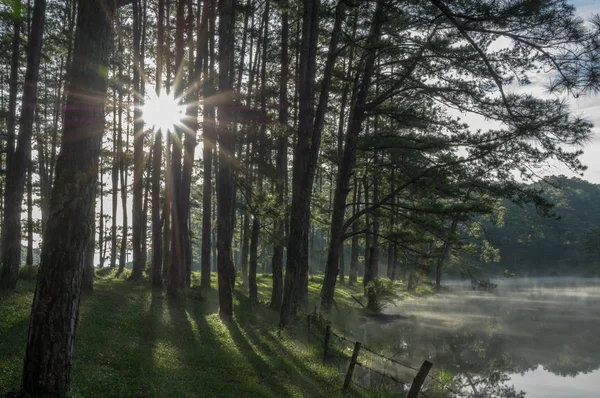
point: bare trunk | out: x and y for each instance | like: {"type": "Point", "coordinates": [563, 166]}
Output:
{"type": "Point", "coordinates": [157, 244]}
{"type": "Point", "coordinates": [115, 185]}
{"type": "Point", "coordinates": [195, 71]}
{"type": "Point", "coordinates": [305, 163]}
{"type": "Point", "coordinates": [252, 287]}
{"type": "Point", "coordinates": [48, 358]}
{"type": "Point", "coordinates": [138, 147]}
{"type": "Point", "coordinates": [281, 164]}
{"type": "Point", "coordinates": [245, 246]}
{"type": "Point", "coordinates": [209, 143]}
{"type": "Point", "coordinates": [225, 177]}
{"type": "Point", "coordinates": [101, 241]}
{"type": "Point", "coordinates": [88, 267]}
{"type": "Point", "coordinates": [176, 269]}
{"type": "Point", "coordinates": [353, 278]}
{"type": "Point", "coordinates": [11, 122]}
{"type": "Point", "coordinates": [29, 258]}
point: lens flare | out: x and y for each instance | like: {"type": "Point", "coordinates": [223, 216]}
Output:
{"type": "Point", "coordinates": [162, 112]}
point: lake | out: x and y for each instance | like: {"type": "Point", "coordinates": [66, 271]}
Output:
{"type": "Point", "coordinates": [529, 338]}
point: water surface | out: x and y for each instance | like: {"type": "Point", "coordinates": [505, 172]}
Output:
{"type": "Point", "coordinates": [528, 338]}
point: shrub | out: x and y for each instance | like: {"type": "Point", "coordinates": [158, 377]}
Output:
{"type": "Point", "coordinates": [381, 293]}
{"type": "Point", "coordinates": [28, 272]}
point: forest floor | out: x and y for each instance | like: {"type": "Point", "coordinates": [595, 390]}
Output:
{"type": "Point", "coordinates": [133, 341]}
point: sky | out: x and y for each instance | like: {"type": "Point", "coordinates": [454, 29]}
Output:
{"type": "Point", "coordinates": [586, 106]}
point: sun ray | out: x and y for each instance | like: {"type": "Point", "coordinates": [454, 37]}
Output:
{"type": "Point", "coordinates": [162, 112]}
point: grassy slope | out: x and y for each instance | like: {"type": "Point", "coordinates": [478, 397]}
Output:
{"type": "Point", "coordinates": [133, 341]}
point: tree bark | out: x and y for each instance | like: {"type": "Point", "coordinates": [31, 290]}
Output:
{"type": "Point", "coordinates": [88, 267]}
{"type": "Point", "coordinates": [157, 244]}
{"type": "Point", "coordinates": [11, 121]}
{"type": "Point", "coordinates": [55, 310]}
{"type": "Point", "coordinates": [225, 177]}
{"type": "Point", "coordinates": [346, 167]}
{"type": "Point", "coordinates": [305, 163]}
{"type": "Point", "coordinates": [195, 70]}
{"type": "Point", "coordinates": [176, 270]}
{"type": "Point", "coordinates": [252, 287]}
{"type": "Point", "coordinates": [115, 183]}
{"type": "Point", "coordinates": [29, 258]}
{"type": "Point", "coordinates": [138, 147]}
{"type": "Point", "coordinates": [17, 171]}
{"type": "Point", "coordinates": [101, 239]}
{"type": "Point", "coordinates": [208, 141]}
{"type": "Point", "coordinates": [281, 164]}
{"type": "Point", "coordinates": [168, 183]}
{"type": "Point", "coordinates": [353, 277]}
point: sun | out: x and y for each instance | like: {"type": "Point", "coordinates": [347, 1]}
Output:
{"type": "Point", "coordinates": [162, 112]}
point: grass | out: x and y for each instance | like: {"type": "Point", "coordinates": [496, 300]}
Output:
{"type": "Point", "coordinates": [133, 341]}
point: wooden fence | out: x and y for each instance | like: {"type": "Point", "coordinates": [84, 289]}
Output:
{"type": "Point", "coordinates": [329, 353]}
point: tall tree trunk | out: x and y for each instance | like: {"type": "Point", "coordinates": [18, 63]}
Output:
{"type": "Point", "coordinates": [208, 140]}
{"type": "Point", "coordinates": [256, 222]}
{"type": "Point", "coordinates": [225, 177]}
{"type": "Point", "coordinates": [114, 174]}
{"type": "Point", "coordinates": [391, 263]}
{"type": "Point", "coordinates": [123, 178]}
{"type": "Point", "coordinates": [167, 210]}
{"type": "Point", "coordinates": [305, 162]}
{"type": "Point", "coordinates": [88, 258]}
{"type": "Point", "coordinates": [348, 160]}
{"type": "Point", "coordinates": [157, 244]}
{"type": "Point", "coordinates": [190, 137]}
{"type": "Point", "coordinates": [245, 245]}
{"type": "Point", "coordinates": [29, 258]}
{"type": "Point", "coordinates": [101, 242]}
{"type": "Point", "coordinates": [252, 286]}
{"type": "Point", "coordinates": [144, 226]}
{"type": "Point", "coordinates": [353, 277]}
{"type": "Point", "coordinates": [16, 172]}
{"type": "Point", "coordinates": [48, 358]}
{"type": "Point", "coordinates": [168, 183]}
{"type": "Point", "coordinates": [138, 147]}
{"type": "Point", "coordinates": [11, 122]}
{"type": "Point", "coordinates": [281, 163]}
{"type": "Point", "coordinates": [176, 271]}
{"type": "Point", "coordinates": [374, 249]}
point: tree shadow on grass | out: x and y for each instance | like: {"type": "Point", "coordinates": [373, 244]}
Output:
{"type": "Point", "coordinates": [257, 327]}
{"type": "Point", "coordinates": [264, 371]}
{"type": "Point", "coordinates": [150, 328]}
{"type": "Point", "coordinates": [205, 364]}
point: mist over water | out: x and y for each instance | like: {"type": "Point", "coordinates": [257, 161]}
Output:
{"type": "Point", "coordinates": [527, 338]}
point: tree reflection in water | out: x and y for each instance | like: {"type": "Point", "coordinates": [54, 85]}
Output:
{"type": "Point", "coordinates": [477, 340]}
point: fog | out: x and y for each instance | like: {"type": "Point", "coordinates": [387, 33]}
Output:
{"type": "Point", "coordinates": [526, 338]}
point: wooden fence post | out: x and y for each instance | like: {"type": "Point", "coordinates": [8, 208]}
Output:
{"type": "Point", "coordinates": [419, 379]}
{"type": "Point", "coordinates": [353, 361]}
{"type": "Point", "coordinates": [326, 344]}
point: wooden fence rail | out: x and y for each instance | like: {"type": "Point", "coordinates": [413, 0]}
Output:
{"type": "Point", "coordinates": [418, 380]}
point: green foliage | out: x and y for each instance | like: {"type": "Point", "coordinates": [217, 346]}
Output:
{"type": "Point", "coordinates": [12, 9]}
{"type": "Point", "coordinates": [567, 243]}
{"type": "Point", "coordinates": [28, 272]}
{"type": "Point", "coordinates": [382, 293]}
